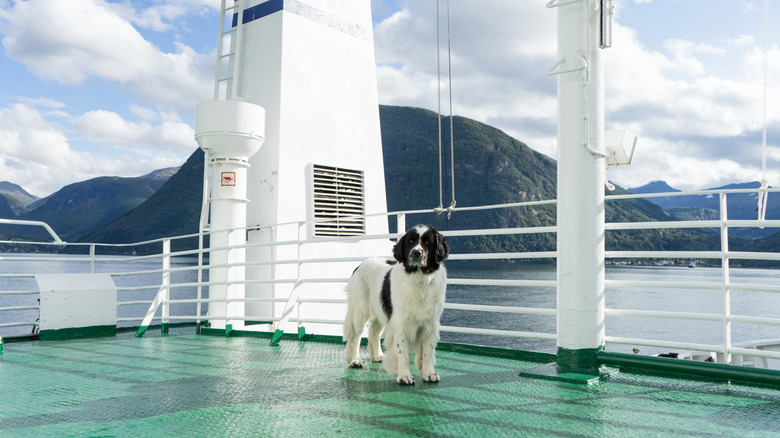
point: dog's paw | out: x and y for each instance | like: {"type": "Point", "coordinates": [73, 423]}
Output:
{"type": "Point", "coordinates": [356, 363]}
{"type": "Point", "coordinates": [405, 380]}
{"type": "Point", "coordinates": [431, 377]}
{"type": "Point", "coordinates": [378, 358]}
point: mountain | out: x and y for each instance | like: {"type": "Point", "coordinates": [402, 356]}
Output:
{"type": "Point", "coordinates": [82, 207]}
{"type": "Point", "coordinates": [173, 210]}
{"type": "Point", "coordinates": [491, 168]}
{"type": "Point", "coordinates": [16, 198]}
{"type": "Point", "coordinates": [6, 209]}
{"type": "Point", "coordinates": [707, 207]}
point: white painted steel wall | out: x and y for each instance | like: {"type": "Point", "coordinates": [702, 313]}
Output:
{"type": "Point", "coordinates": [312, 67]}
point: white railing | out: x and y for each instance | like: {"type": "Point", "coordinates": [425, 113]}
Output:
{"type": "Point", "coordinates": [140, 277]}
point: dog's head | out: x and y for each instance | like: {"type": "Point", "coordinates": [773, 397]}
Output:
{"type": "Point", "coordinates": [422, 247]}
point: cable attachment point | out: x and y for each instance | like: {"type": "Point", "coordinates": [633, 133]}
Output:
{"type": "Point", "coordinates": [763, 197]}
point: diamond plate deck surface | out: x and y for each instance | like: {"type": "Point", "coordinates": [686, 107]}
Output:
{"type": "Point", "coordinates": [190, 385]}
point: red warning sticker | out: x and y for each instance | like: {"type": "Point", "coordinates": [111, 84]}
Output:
{"type": "Point", "coordinates": [228, 179]}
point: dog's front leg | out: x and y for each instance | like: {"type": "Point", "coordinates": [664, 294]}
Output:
{"type": "Point", "coordinates": [404, 373]}
{"type": "Point", "coordinates": [426, 360]}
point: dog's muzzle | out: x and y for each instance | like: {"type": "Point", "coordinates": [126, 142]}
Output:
{"type": "Point", "coordinates": [416, 257]}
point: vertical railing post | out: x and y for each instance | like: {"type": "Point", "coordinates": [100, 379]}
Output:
{"type": "Point", "coordinates": [166, 285]}
{"type": "Point", "coordinates": [199, 292]}
{"type": "Point", "coordinates": [302, 227]}
{"type": "Point", "coordinates": [91, 258]}
{"type": "Point", "coordinates": [724, 248]}
{"type": "Point", "coordinates": [400, 224]}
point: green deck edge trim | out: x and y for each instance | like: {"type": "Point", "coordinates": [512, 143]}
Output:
{"type": "Point", "coordinates": [691, 368]}
{"type": "Point", "coordinates": [98, 331]}
{"type": "Point", "coordinates": [1, 344]}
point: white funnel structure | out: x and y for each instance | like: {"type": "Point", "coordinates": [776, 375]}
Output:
{"type": "Point", "coordinates": [229, 132]}
{"type": "Point", "coordinates": [310, 64]}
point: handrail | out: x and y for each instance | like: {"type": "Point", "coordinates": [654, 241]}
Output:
{"type": "Point", "coordinates": [152, 268]}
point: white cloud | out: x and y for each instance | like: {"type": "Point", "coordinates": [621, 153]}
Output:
{"type": "Point", "coordinates": [104, 45]}
{"type": "Point", "coordinates": [36, 153]}
{"type": "Point", "coordinates": [697, 126]}
{"type": "Point", "coordinates": [109, 129]}
{"type": "Point", "coordinates": [498, 66]}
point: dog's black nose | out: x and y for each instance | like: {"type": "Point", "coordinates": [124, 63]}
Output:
{"type": "Point", "coordinates": [416, 253]}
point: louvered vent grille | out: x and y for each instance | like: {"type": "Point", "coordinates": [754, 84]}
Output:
{"type": "Point", "coordinates": [339, 202]}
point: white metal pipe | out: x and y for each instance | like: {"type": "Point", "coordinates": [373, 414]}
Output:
{"type": "Point", "coordinates": [491, 332]}
{"type": "Point", "coordinates": [581, 181]}
{"type": "Point", "coordinates": [501, 309]}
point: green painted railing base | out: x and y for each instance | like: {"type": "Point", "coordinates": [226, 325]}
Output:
{"type": "Point", "coordinates": [690, 368]}
{"type": "Point", "coordinates": [583, 360]}
{"type": "Point", "coordinates": [77, 333]}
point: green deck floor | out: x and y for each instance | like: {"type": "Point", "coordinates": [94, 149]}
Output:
{"type": "Point", "coordinates": [190, 385]}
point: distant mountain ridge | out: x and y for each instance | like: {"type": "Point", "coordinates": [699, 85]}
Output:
{"type": "Point", "coordinates": [491, 168]}
{"type": "Point", "coordinates": [15, 199]}
{"type": "Point", "coordinates": [82, 207]}
{"type": "Point", "coordinates": [707, 207]}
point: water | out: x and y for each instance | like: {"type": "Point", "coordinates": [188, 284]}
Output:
{"type": "Point", "coordinates": [678, 300]}
{"type": "Point", "coordinates": [743, 303]}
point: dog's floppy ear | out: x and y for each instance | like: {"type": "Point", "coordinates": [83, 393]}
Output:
{"type": "Point", "coordinates": [442, 248]}
{"type": "Point", "coordinates": [398, 249]}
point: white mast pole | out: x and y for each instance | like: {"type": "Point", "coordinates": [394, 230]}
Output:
{"type": "Point", "coordinates": [581, 182]}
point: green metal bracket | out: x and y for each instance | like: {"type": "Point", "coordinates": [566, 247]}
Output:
{"type": "Point", "coordinates": [301, 333]}
{"type": "Point", "coordinates": [277, 335]}
{"type": "Point", "coordinates": [141, 331]}
{"type": "Point", "coordinates": [164, 328]}
{"type": "Point", "coordinates": [228, 329]}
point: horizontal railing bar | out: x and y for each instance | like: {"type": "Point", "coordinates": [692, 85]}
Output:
{"type": "Point", "coordinates": [17, 308]}
{"type": "Point", "coordinates": [757, 320]}
{"type": "Point", "coordinates": [664, 284]}
{"type": "Point", "coordinates": [500, 231]}
{"type": "Point", "coordinates": [501, 282]}
{"type": "Point", "coordinates": [19, 292]}
{"type": "Point", "coordinates": [665, 315]}
{"type": "Point", "coordinates": [134, 303]}
{"type": "Point", "coordinates": [18, 324]}
{"type": "Point", "coordinates": [663, 254]}
{"type": "Point", "coordinates": [493, 332]}
{"type": "Point", "coordinates": [501, 309]}
{"type": "Point", "coordinates": [769, 354]}
{"type": "Point", "coordinates": [505, 256]}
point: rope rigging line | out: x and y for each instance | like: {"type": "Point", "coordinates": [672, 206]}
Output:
{"type": "Point", "coordinates": [441, 209]}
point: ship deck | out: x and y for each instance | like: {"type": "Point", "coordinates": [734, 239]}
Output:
{"type": "Point", "coordinates": [185, 384]}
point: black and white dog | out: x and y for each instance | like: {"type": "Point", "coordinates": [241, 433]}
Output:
{"type": "Point", "coordinates": [405, 299]}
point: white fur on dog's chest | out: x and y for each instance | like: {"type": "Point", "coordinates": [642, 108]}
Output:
{"type": "Point", "coordinates": [421, 296]}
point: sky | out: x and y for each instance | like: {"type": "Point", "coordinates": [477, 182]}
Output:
{"type": "Point", "coordinates": [96, 87]}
